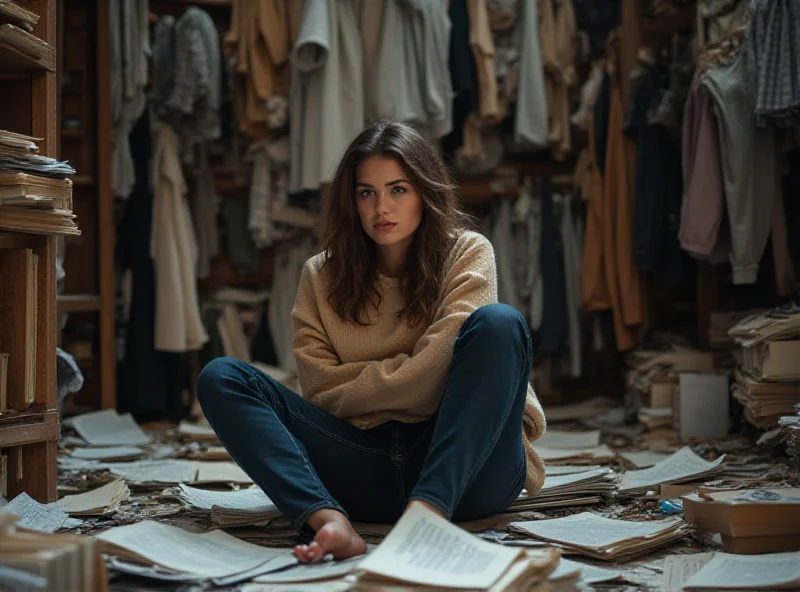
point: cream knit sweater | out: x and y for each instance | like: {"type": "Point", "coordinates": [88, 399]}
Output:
{"type": "Point", "coordinates": [387, 370]}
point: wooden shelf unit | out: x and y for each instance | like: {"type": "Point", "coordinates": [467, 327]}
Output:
{"type": "Point", "coordinates": [28, 105]}
{"type": "Point", "coordinates": [85, 97]}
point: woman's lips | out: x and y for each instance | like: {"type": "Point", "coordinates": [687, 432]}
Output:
{"type": "Point", "coordinates": [386, 225]}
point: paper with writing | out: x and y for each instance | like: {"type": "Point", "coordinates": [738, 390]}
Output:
{"type": "Point", "coordinates": [212, 554]}
{"type": "Point", "coordinates": [156, 471]}
{"type": "Point", "coordinates": [568, 440]}
{"type": "Point", "coordinates": [108, 428]}
{"type": "Point", "coordinates": [251, 498]}
{"type": "Point", "coordinates": [427, 549]}
{"type": "Point", "coordinates": [593, 531]}
{"type": "Point", "coordinates": [725, 571]}
{"type": "Point", "coordinates": [684, 464]}
{"type": "Point", "coordinates": [679, 568]}
{"type": "Point", "coordinates": [36, 516]}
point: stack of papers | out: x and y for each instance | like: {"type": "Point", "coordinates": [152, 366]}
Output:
{"type": "Point", "coordinates": [108, 428]}
{"type": "Point", "coordinates": [569, 490]}
{"type": "Point", "coordinates": [12, 13]}
{"type": "Point", "coordinates": [214, 554]}
{"type": "Point", "coordinates": [790, 431]}
{"type": "Point", "coordinates": [596, 455]}
{"type": "Point", "coordinates": [426, 550]}
{"type": "Point", "coordinates": [98, 502]}
{"type": "Point", "coordinates": [220, 472]}
{"type": "Point", "coordinates": [604, 538]}
{"type": "Point", "coordinates": [765, 402]}
{"type": "Point", "coordinates": [777, 571]}
{"type": "Point", "coordinates": [245, 507]}
{"type": "Point", "coordinates": [682, 467]}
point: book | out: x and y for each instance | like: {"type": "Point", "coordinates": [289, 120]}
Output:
{"type": "Point", "coordinates": [18, 314]}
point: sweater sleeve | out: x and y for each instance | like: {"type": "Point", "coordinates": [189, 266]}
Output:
{"type": "Point", "coordinates": [403, 382]}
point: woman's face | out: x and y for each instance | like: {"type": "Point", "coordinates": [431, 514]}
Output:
{"type": "Point", "coordinates": [388, 205]}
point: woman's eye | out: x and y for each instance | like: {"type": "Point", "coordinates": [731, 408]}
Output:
{"type": "Point", "coordinates": [365, 193]}
{"type": "Point", "coordinates": [398, 189]}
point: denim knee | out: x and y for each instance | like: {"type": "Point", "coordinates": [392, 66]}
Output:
{"type": "Point", "coordinates": [213, 378]}
{"type": "Point", "coordinates": [500, 323]}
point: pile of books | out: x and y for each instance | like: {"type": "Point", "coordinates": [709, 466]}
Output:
{"type": "Point", "coordinates": [790, 428]}
{"type": "Point", "coordinates": [750, 521]}
{"type": "Point", "coordinates": [45, 561]}
{"type": "Point", "coordinates": [35, 191]}
{"type": "Point", "coordinates": [17, 38]}
{"type": "Point", "coordinates": [768, 381]}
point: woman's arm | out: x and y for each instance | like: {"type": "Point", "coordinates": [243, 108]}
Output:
{"type": "Point", "coordinates": [402, 382]}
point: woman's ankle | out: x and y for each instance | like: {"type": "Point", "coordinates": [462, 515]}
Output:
{"type": "Point", "coordinates": [324, 516]}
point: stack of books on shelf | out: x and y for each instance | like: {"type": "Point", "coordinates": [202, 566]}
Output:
{"type": "Point", "coordinates": [35, 191]}
{"type": "Point", "coordinates": [18, 335]}
{"type": "Point", "coordinates": [767, 383]}
{"type": "Point", "coordinates": [16, 32]}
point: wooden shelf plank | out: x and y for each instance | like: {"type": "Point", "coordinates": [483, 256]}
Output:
{"type": "Point", "coordinates": [83, 181]}
{"type": "Point", "coordinates": [13, 60]}
{"type": "Point", "coordinates": [79, 303]}
{"type": "Point", "coordinates": [28, 428]}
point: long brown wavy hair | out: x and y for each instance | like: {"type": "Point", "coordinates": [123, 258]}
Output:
{"type": "Point", "coordinates": [351, 255]}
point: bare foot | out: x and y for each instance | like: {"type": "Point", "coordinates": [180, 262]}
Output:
{"type": "Point", "coordinates": [335, 535]}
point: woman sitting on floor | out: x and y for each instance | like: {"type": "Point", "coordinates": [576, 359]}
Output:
{"type": "Point", "coordinates": [415, 381]}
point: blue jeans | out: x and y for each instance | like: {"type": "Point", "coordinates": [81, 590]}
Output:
{"type": "Point", "coordinates": [468, 460]}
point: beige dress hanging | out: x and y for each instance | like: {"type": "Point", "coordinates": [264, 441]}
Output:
{"type": "Point", "coordinates": [173, 247]}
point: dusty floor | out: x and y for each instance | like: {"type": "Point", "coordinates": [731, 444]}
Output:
{"type": "Point", "coordinates": [746, 463]}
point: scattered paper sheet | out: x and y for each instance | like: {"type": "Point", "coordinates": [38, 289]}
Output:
{"type": "Point", "coordinates": [111, 453]}
{"type": "Point", "coordinates": [568, 440]}
{"type": "Point", "coordinates": [252, 499]}
{"type": "Point", "coordinates": [108, 428]}
{"type": "Point", "coordinates": [96, 502]}
{"type": "Point", "coordinates": [725, 571]}
{"type": "Point", "coordinates": [590, 530]}
{"type": "Point", "coordinates": [156, 471]}
{"type": "Point", "coordinates": [681, 466]}
{"type": "Point", "coordinates": [426, 549]}
{"type": "Point", "coordinates": [645, 458]}
{"type": "Point", "coordinates": [679, 568]}
{"type": "Point", "coordinates": [220, 472]}
{"type": "Point", "coordinates": [36, 516]}
{"type": "Point", "coordinates": [212, 554]}
{"type": "Point", "coordinates": [312, 572]}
